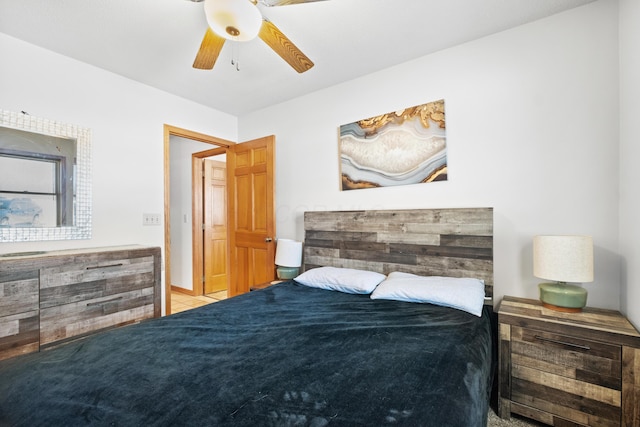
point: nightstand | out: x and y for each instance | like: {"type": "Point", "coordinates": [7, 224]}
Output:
{"type": "Point", "coordinates": [265, 285]}
{"type": "Point", "coordinates": [568, 369]}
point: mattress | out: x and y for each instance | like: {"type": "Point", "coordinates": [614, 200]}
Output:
{"type": "Point", "coordinates": [287, 355]}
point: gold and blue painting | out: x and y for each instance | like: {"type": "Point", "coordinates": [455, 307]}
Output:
{"type": "Point", "coordinates": [403, 147]}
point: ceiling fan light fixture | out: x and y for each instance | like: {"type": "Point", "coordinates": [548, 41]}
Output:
{"type": "Point", "coordinates": [238, 20]}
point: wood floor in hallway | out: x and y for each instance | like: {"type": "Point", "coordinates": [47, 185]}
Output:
{"type": "Point", "coordinates": [182, 302]}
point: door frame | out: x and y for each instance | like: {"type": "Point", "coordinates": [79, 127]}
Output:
{"type": "Point", "coordinates": [195, 136]}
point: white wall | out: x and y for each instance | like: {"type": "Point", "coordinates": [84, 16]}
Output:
{"type": "Point", "coordinates": [181, 212]}
{"type": "Point", "coordinates": [532, 130]}
{"type": "Point", "coordinates": [126, 119]}
{"type": "Point", "coordinates": [629, 157]}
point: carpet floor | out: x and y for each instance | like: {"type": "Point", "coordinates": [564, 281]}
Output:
{"type": "Point", "coordinates": [515, 421]}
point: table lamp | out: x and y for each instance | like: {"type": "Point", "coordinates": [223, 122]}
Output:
{"type": "Point", "coordinates": [563, 259]}
{"type": "Point", "coordinates": [288, 258]}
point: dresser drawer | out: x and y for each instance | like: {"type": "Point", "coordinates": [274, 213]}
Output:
{"type": "Point", "coordinates": [79, 318]}
{"type": "Point", "coordinates": [19, 334]}
{"type": "Point", "coordinates": [574, 378]}
{"type": "Point", "coordinates": [19, 316]}
{"type": "Point", "coordinates": [19, 291]}
{"type": "Point", "coordinates": [94, 278]}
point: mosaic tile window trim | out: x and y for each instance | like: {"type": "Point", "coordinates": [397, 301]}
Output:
{"type": "Point", "coordinates": [81, 228]}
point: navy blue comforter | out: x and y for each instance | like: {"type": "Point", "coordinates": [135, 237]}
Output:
{"type": "Point", "coordinates": [287, 355]}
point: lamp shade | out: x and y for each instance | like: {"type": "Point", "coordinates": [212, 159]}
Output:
{"type": "Point", "coordinates": [238, 20]}
{"type": "Point", "coordinates": [288, 253]}
{"type": "Point", "coordinates": [563, 258]}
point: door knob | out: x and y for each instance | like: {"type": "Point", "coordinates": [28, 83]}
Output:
{"type": "Point", "coordinates": [268, 239]}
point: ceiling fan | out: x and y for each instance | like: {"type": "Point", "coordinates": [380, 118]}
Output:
{"type": "Point", "coordinates": [241, 20]}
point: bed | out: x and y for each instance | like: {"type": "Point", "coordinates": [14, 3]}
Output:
{"type": "Point", "coordinates": [290, 354]}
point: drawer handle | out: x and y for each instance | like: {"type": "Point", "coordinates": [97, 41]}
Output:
{"type": "Point", "coordinates": [568, 344]}
{"type": "Point", "coordinates": [104, 266]}
{"type": "Point", "coordinates": [89, 304]}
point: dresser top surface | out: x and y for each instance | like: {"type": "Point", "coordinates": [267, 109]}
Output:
{"type": "Point", "coordinates": [42, 254]}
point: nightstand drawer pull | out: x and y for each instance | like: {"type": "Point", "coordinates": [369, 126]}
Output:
{"type": "Point", "coordinates": [90, 304]}
{"type": "Point", "coordinates": [104, 266]}
{"type": "Point", "coordinates": [568, 344]}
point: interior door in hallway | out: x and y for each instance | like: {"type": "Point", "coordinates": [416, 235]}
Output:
{"type": "Point", "coordinates": [215, 226]}
{"type": "Point", "coordinates": [250, 169]}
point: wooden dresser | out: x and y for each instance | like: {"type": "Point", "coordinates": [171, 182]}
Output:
{"type": "Point", "coordinates": [52, 297]}
{"type": "Point", "coordinates": [568, 369]}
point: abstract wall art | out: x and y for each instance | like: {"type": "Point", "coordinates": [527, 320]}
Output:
{"type": "Point", "coordinates": [404, 147]}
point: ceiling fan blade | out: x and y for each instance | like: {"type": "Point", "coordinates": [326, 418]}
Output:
{"type": "Point", "coordinates": [209, 50]}
{"type": "Point", "coordinates": [277, 41]}
{"type": "Point", "coordinates": [285, 2]}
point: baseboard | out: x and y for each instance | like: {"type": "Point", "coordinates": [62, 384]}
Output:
{"type": "Point", "coordinates": [180, 290]}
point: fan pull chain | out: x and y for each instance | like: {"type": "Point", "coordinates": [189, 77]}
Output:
{"type": "Point", "coordinates": [235, 54]}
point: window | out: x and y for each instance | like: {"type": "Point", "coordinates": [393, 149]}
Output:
{"type": "Point", "coordinates": [36, 180]}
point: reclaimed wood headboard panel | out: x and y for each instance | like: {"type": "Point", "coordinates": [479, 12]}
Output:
{"type": "Point", "coordinates": [455, 242]}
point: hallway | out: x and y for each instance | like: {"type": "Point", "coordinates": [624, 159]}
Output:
{"type": "Point", "coordinates": [182, 302]}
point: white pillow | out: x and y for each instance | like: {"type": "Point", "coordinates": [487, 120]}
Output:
{"type": "Point", "coordinates": [346, 280]}
{"type": "Point", "coordinates": [465, 294]}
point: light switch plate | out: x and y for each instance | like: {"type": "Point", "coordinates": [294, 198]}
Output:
{"type": "Point", "coordinates": [150, 219]}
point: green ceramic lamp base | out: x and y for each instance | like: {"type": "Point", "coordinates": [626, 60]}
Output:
{"type": "Point", "coordinates": [563, 297]}
{"type": "Point", "coordinates": [287, 273]}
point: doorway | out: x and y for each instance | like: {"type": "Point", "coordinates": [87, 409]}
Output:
{"type": "Point", "coordinates": [210, 231]}
{"type": "Point", "coordinates": [219, 146]}
{"type": "Point", "coordinates": [215, 226]}
{"type": "Point", "coordinates": [250, 195]}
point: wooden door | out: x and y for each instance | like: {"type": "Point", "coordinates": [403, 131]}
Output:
{"type": "Point", "coordinates": [251, 219]}
{"type": "Point", "coordinates": [215, 226]}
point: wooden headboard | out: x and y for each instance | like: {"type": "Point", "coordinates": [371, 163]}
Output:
{"type": "Point", "coordinates": [429, 242]}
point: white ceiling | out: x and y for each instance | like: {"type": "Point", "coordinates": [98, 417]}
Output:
{"type": "Point", "coordinates": [155, 41]}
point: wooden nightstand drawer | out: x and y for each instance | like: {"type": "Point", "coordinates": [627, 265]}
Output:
{"type": "Point", "coordinates": [567, 356]}
{"type": "Point", "coordinates": [563, 375]}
